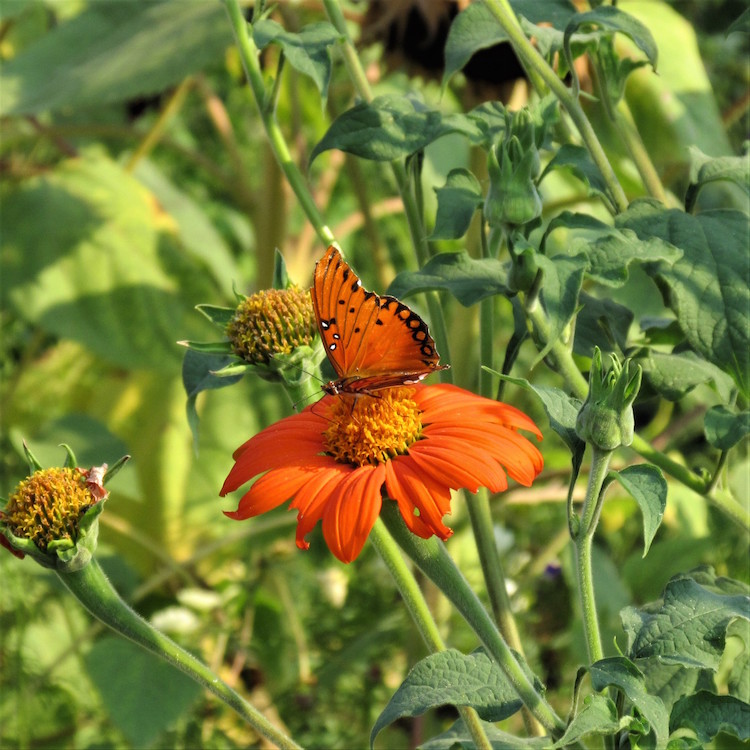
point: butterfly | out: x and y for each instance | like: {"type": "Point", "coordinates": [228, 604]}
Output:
{"type": "Point", "coordinates": [372, 342]}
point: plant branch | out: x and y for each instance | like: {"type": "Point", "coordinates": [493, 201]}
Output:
{"type": "Point", "coordinates": [249, 55]}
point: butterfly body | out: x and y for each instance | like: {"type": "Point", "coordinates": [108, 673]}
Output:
{"type": "Point", "coordinates": [372, 342]}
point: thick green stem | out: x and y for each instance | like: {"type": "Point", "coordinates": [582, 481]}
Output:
{"type": "Point", "coordinates": [420, 612]}
{"type": "Point", "coordinates": [93, 589]}
{"type": "Point", "coordinates": [249, 55]}
{"type": "Point", "coordinates": [533, 61]}
{"type": "Point", "coordinates": [433, 560]}
{"type": "Point", "coordinates": [583, 539]}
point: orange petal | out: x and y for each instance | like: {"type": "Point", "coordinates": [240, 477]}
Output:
{"type": "Point", "coordinates": [352, 510]}
{"type": "Point", "coordinates": [274, 488]}
{"type": "Point", "coordinates": [407, 485]}
{"type": "Point", "coordinates": [312, 499]}
{"type": "Point", "coordinates": [270, 453]}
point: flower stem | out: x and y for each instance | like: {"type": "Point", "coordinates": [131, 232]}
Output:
{"type": "Point", "coordinates": [583, 540]}
{"type": "Point", "coordinates": [93, 589]}
{"type": "Point", "coordinates": [537, 67]}
{"type": "Point", "coordinates": [434, 561]}
{"type": "Point", "coordinates": [249, 55]}
{"type": "Point", "coordinates": [420, 612]}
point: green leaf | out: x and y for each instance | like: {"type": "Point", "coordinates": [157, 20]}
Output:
{"type": "Point", "coordinates": [611, 19]}
{"type": "Point", "coordinates": [579, 161]}
{"type": "Point", "coordinates": [674, 375]}
{"type": "Point", "coordinates": [707, 714]}
{"type": "Point", "coordinates": [601, 322]}
{"type": "Point", "coordinates": [705, 170]}
{"type": "Point", "coordinates": [687, 627]}
{"type": "Point", "coordinates": [647, 486]}
{"type": "Point", "coordinates": [724, 428]}
{"type": "Point", "coordinates": [391, 127]}
{"type": "Point", "coordinates": [563, 277]}
{"type": "Point", "coordinates": [742, 23]}
{"type": "Point", "coordinates": [100, 265]}
{"type": "Point", "coordinates": [308, 51]}
{"type": "Point", "coordinates": [112, 52]}
{"type": "Point", "coordinates": [476, 28]}
{"type": "Point", "coordinates": [598, 716]}
{"type": "Point", "coordinates": [458, 736]}
{"type": "Point", "coordinates": [609, 250]}
{"type": "Point", "coordinates": [452, 678]}
{"type": "Point", "coordinates": [197, 233]}
{"type": "Point", "coordinates": [143, 695]}
{"type": "Point", "coordinates": [219, 316]}
{"type": "Point", "coordinates": [469, 280]}
{"type": "Point", "coordinates": [624, 675]}
{"type": "Point", "coordinates": [562, 412]}
{"type": "Point", "coordinates": [198, 374]}
{"type": "Point", "coordinates": [708, 287]}
{"type": "Point", "coordinates": [457, 201]}
{"type": "Point", "coordinates": [670, 682]}
{"type": "Point", "coordinates": [739, 674]}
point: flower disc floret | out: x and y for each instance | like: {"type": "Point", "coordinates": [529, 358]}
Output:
{"type": "Point", "coordinates": [48, 505]}
{"type": "Point", "coordinates": [274, 321]}
{"type": "Point", "coordinates": [372, 429]}
{"type": "Point", "coordinates": [411, 445]}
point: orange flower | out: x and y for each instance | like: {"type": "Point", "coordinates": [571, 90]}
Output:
{"type": "Point", "coordinates": [339, 457]}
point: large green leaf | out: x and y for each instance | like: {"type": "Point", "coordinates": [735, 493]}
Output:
{"type": "Point", "coordinates": [114, 51]}
{"type": "Point", "coordinates": [452, 678]}
{"type": "Point", "coordinates": [143, 695]}
{"type": "Point", "coordinates": [707, 714]}
{"type": "Point", "coordinates": [468, 279]}
{"type": "Point", "coordinates": [621, 673]}
{"type": "Point", "coordinates": [688, 627]}
{"type": "Point", "coordinates": [603, 323]}
{"type": "Point", "coordinates": [647, 486]}
{"type": "Point", "coordinates": [609, 250]}
{"type": "Point", "coordinates": [674, 375]}
{"type": "Point", "coordinates": [708, 288]}
{"type": "Point", "coordinates": [100, 264]}
{"type": "Point", "coordinates": [308, 51]}
{"type": "Point", "coordinates": [579, 161]}
{"type": "Point", "coordinates": [391, 127]}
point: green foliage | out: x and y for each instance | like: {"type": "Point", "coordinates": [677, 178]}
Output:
{"type": "Point", "coordinates": [139, 184]}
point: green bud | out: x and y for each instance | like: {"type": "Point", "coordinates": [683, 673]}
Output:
{"type": "Point", "coordinates": [523, 270]}
{"type": "Point", "coordinates": [512, 198]}
{"type": "Point", "coordinates": [606, 417]}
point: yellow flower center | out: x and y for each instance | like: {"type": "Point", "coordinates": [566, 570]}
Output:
{"type": "Point", "coordinates": [274, 321]}
{"type": "Point", "coordinates": [48, 505]}
{"type": "Point", "coordinates": [372, 429]}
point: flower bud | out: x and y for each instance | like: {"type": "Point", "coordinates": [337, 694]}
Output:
{"type": "Point", "coordinates": [52, 514]}
{"type": "Point", "coordinates": [512, 198]}
{"type": "Point", "coordinates": [606, 417]}
{"type": "Point", "coordinates": [272, 322]}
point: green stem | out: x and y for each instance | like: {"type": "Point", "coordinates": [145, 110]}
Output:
{"type": "Point", "coordinates": [93, 589]}
{"type": "Point", "coordinates": [536, 66]}
{"type": "Point", "coordinates": [411, 207]}
{"type": "Point", "coordinates": [583, 541]}
{"type": "Point", "coordinates": [433, 560]}
{"type": "Point", "coordinates": [420, 613]}
{"type": "Point", "coordinates": [577, 384]}
{"type": "Point", "coordinates": [249, 55]}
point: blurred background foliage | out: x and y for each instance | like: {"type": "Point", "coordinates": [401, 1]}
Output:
{"type": "Point", "coordinates": [136, 184]}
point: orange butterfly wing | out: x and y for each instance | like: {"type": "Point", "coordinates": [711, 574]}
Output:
{"type": "Point", "coordinates": [372, 342]}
